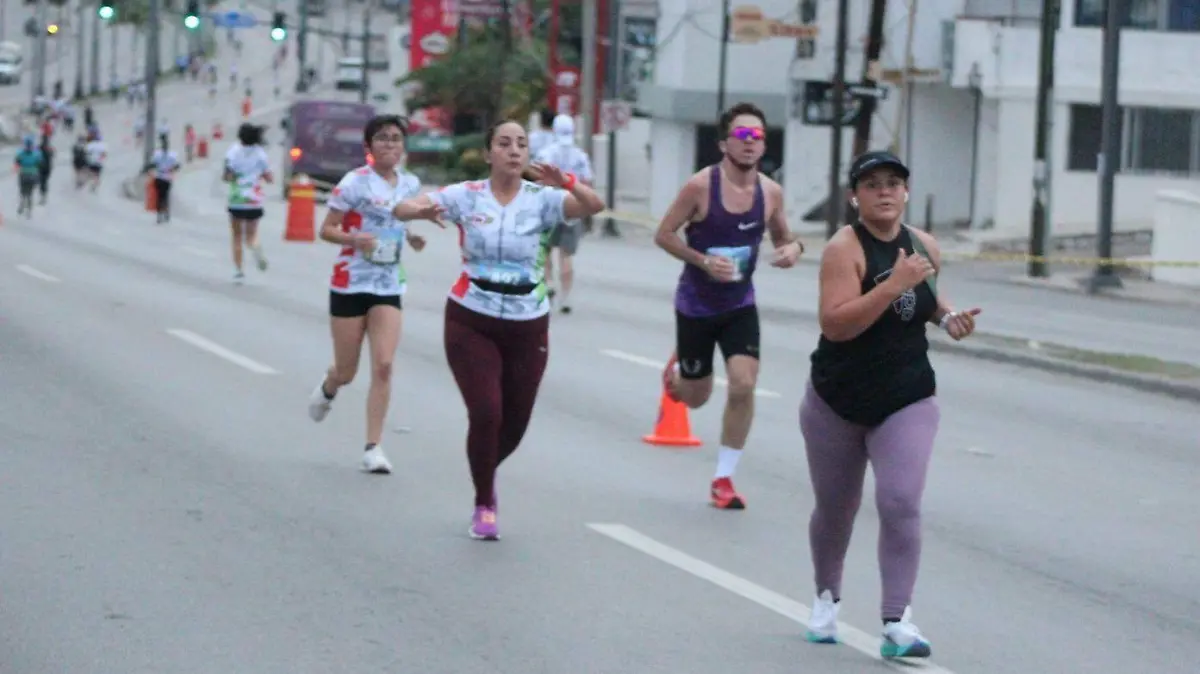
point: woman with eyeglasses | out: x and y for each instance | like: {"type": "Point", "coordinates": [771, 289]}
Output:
{"type": "Point", "coordinates": [497, 315]}
{"type": "Point", "coordinates": [871, 399]}
{"type": "Point", "coordinates": [368, 281]}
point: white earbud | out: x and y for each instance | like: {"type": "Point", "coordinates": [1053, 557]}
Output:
{"type": "Point", "coordinates": [906, 197]}
{"type": "Point", "coordinates": [854, 201]}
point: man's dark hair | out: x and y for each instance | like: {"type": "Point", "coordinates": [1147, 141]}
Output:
{"type": "Point", "coordinates": [379, 122]}
{"type": "Point", "coordinates": [547, 118]}
{"type": "Point", "coordinates": [739, 109]}
{"type": "Point", "coordinates": [249, 134]}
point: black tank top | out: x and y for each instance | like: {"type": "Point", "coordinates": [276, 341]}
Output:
{"type": "Point", "coordinates": [886, 368]}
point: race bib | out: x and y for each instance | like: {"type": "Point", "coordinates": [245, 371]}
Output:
{"type": "Point", "coordinates": [387, 249]}
{"type": "Point", "coordinates": [740, 256]}
{"type": "Point", "coordinates": [503, 273]}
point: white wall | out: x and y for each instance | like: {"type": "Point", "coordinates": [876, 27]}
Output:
{"type": "Point", "coordinates": [672, 156]}
{"type": "Point", "coordinates": [1176, 236]}
{"type": "Point", "coordinates": [634, 176]}
{"type": "Point", "coordinates": [1157, 69]}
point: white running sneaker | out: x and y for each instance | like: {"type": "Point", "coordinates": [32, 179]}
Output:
{"type": "Point", "coordinates": [903, 639]}
{"type": "Point", "coordinates": [318, 403]}
{"type": "Point", "coordinates": [822, 624]}
{"type": "Point", "coordinates": [374, 461]}
{"type": "Point", "coordinates": [259, 257]}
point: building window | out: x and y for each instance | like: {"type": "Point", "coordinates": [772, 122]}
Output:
{"type": "Point", "coordinates": [1168, 15]}
{"type": "Point", "coordinates": [1153, 140]}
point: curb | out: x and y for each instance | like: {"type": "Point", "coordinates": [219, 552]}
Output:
{"type": "Point", "coordinates": [1145, 383]}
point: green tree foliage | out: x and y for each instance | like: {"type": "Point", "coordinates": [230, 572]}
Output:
{"type": "Point", "coordinates": [467, 79]}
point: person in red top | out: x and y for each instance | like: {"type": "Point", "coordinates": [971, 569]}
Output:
{"type": "Point", "coordinates": [189, 141]}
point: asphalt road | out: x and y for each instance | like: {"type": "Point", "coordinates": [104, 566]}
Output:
{"type": "Point", "coordinates": [170, 507]}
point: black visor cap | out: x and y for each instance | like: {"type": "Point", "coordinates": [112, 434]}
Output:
{"type": "Point", "coordinates": [869, 161]}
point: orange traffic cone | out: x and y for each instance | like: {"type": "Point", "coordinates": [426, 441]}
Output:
{"type": "Point", "coordinates": [151, 195]}
{"type": "Point", "coordinates": [245, 107]}
{"type": "Point", "coordinates": [202, 148]}
{"type": "Point", "coordinates": [302, 210]}
{"type": "Point", "coordinates": [217, 132]}
{"type": "Point", "coordinates": [672, 428]}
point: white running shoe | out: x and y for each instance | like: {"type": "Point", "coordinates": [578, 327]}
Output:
{"type": "Point", "coordinates": [822, 624]}
{"type": "Point", "coordinates": [318, 404]}
{"type": "Point", "coordinates": [374, 461]}
{"type": "Point", "coordinates": [903, 639]}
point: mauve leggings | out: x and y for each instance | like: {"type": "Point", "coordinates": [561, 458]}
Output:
{"type": "Point", "coordinates": [838, 452]}
{"type": "Point", "coordinates": [498, 365]}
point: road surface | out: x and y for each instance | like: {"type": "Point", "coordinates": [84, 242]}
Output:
{"type": "Point", "coordinates": [169, 506]}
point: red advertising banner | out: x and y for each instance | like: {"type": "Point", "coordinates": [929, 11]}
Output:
{"type": "Point", "coordinates": [433, 27]}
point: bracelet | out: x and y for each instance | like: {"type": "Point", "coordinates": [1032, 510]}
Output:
{"type": "Point", "coordinates": [946, 319]}
{"type": "Point", "coordinates": [569, 184]}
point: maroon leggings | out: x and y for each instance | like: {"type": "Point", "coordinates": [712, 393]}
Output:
{"type": "Point", "coordinates": [498, 365]}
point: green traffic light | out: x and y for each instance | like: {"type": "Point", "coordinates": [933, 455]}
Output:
{"type": "Point", "coordinates": [277, 34]}
{"type": "Point", "coordinates": [105, 12]}
{"type": "Point", "coordinates": [191, 22]}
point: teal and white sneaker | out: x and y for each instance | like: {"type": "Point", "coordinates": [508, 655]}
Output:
{"type": "Point", "coordinates": [903, 639]}
{"type": "Point", "coordinates": [822, 624]}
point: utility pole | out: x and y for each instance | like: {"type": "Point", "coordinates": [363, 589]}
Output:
{"type": "Point", "coordinates": [587, 94]}
{"type": "Point", "coordinates": [722, 59]}
{"type": "Point", "coordinates": [507, 46]}
{"type": "Point", "coordinates": [1110, 145]}
{"type": "Point", "coordinates": [79, 42]}
{"type": "Point", "coordinates": [39, 51]}
{"type": "Point", "coordinates": [152, 33]}
{"type": "Point", "coordinates": [615, 51]}
{"type": "Point", "coordinates": [862, 127]}
{"type": "Point", "coordinates": [365, 82]}
{"type": "Point", "coordinates": [302, 43]}
{"type": "Point", "coordinates": [1039, 221]}
{"type": "Point", "coordinates": [95, 88]}
{"type": "Point", "coordinates": [833, 209]}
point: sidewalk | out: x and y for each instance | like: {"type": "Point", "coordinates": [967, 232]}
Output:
{"type": "Point", "coordinates": [1153, 347]}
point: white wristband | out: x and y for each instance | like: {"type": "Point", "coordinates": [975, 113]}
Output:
{"type": "Point", "coordinates": [945, 322]}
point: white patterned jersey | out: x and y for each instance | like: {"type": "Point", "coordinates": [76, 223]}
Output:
{"type": "Point", "coordinates": [367, 201]}
{"type": "Point", "coordinates": [248, 164]}
{"type": "Point", "coordinates": [503, 247]}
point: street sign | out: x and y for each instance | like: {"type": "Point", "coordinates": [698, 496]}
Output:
{"type": "Point", "coordinates": [868, 92]}
{"type": "Point", "coordinates": [806, 49]}
{"type": "Point", "coordinates": [615, 115]}
{"type": "Point", "coordinates": [749, 25]}
{"type": "Point", "coordinates": [812, 103]}
{"type": "Point", "coordinates": [234, 19]}
{"type": "Point", "coordinates": [422, 142]}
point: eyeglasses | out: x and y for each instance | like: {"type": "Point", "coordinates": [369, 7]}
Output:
{"type": "Point", "coordinates": [748, 133]}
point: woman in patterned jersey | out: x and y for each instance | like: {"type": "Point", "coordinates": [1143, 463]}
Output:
{"type": "Point", "coordinates": [367, 285]}
{"type": "Point", "coordinates": [497, 315]}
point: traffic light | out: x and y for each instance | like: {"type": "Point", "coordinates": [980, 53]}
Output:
{"type": "Point", "coordinates": [278, 27]}
{"type": "Point", "coordinates": [52, 29]}
{"type": "Point", "coordinates": [191, 18]}
{"type": "Point", "coordinates": [106, 10]}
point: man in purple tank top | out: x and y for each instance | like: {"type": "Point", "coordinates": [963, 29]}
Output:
{"type": "Point", "coordinates": [726, 209]}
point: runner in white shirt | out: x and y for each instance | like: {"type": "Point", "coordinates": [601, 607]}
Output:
{"type": "Point", "coordinates": [368, 279]}
{"type": "Point", "coordinates": [246, 168]}
{"type": "Point", "coordinates": [497, 316]}
{"type": "Point", "coordinates": [542, 137]}
{"type": "Point", "coordinates": [96, 154]}
{"type": "Point", "coordinates": [569, 158]}
{"type": "Point", "coordinates": [164, 164]}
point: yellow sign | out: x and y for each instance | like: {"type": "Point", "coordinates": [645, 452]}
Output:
{"type": "Point", "coordinates": [748, 25]}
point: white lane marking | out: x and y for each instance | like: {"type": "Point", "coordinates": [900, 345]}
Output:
{"type": "Point", "coordinates": [791, 609]}
{"type": "Point", "coordinates": [199, 252]}
{"type": "Point", "coordinates": [660, 364]}
{"type": "Point", "coordinates": [221, 352]}
{"type": "Point", "coordinates": [37, 274]}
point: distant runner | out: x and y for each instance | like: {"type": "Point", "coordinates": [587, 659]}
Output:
{"type": "Point", "coordinates": [564, 154]}
{"type": "Point", "coordinates": [28, 164]}
{"type": "Point", "coordinates": [246, 168]}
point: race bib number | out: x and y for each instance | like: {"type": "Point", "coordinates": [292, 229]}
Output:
{"type": "Point", "coordinates": [503, 273]}
{"type": "Point", "coordinates": [387, 249]}
{"type": "Point", "coordinates": [740, 255]}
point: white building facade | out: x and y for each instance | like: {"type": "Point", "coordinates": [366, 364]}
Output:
{"type": "Point", "coordinates": [966, 127]}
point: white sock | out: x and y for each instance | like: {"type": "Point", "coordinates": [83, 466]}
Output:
{"type": "Point", "coordinates": [727, 460]}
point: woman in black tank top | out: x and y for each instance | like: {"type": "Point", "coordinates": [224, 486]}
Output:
{"type": "Point", "coordinates": [870, 396]}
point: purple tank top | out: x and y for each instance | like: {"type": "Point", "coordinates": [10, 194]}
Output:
{"type": "Point", "coordinates": [734, 235]}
